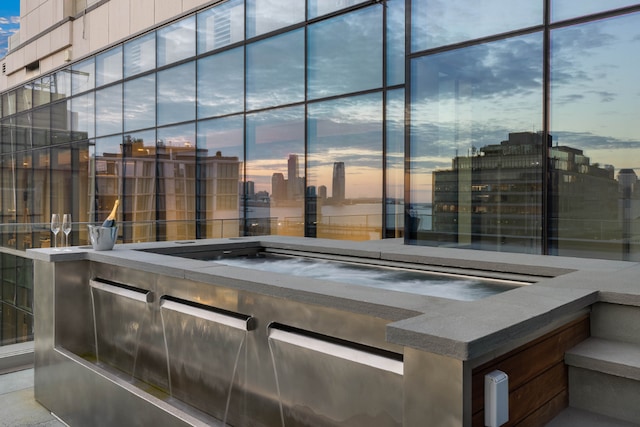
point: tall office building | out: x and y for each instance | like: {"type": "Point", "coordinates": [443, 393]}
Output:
{"type": "Point", "coordinates": [338, 182]}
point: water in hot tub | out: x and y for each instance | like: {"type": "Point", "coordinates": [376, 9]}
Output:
{"type": "Point", "coordinates": [456, 287]}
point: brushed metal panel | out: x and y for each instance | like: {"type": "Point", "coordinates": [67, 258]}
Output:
{"type": "Point", "coordinates": [326, 383]}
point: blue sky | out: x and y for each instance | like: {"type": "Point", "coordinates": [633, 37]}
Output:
{"type": "Point", "coordinates": [9, 17]}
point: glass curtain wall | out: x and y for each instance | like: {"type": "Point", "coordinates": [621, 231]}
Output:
{"type": "Point", "coordinates": [522, 129]}
{"type": "Point", "coordinates": [258, 118]}
{"type": "Point", "coordinates": [217, 126]}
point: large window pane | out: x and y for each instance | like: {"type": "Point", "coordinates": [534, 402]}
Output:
{"type": "Point", "coordinates": [42, 127]}
{"type": "Point", "coordinates": [42, 91]}
{"type": "Point", "coordinates": [82, 116]}
{"type": "Point", "coordinates": [221, 83]}
{"type": "Point", "coordinates": [220, 155]}
{"type": "Point", "coordinates": [177, 41]}
{"type": "Point", "coordinates": [337, 67]}
{"type": "Point", "coordinates": [275, 71]}
{"type": "Point", "coordinates": [395, 41]}
{"type": "Point", "coordinates": [61, 122]}
{"type": "Point", "coordinates": [109, 66]}
{"type": "Point", "coordinates": [176, 153]}
{"type": "Point", "coordinates": [596, 134]}
{"type": "Point", "coordinates": [108, 164]}
{"type": "Point", "coordinates": [83, 76]}
{"type": "Point", "coordinates": [24, 98]}
{"type": "Point", "coordinates": [9, 103]}
{"type": "Point", "coordinates": [344, 181]}
{"type": "Point", "coordinates": [268, 15]}
{"type": "Point", "coordinates": [109, 110]}
{"type": "Point", "coordinates": [567, 9]}
{"type": "Point", "coordinates": [140, 103]}
{"type": "Point", "coordinates": [221, 25]}
{"type": "Point", "coordinates": [140, 55]}
{"type": "Point", "coordinates": [139, 171]}
{"type": "Point", "coordinates": [476, 148]}
{"type": "Point", "coordinates": [394, 164]}
{"type": "Point", "coordinates": [442, 22]}
{"type": "Point", "coordinates": [61, 85]}
{"type": "Point", "coordinates": [275, 172]}
{"type": "Point", "coordinates": [177, 94]}
{"type": "Point", "coordinates": [322, 7]}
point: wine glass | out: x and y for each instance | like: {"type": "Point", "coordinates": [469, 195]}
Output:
{"type": "Point", "coordinates": [66, 228]}
{"type": "Point", "coordinates": [55, 228]}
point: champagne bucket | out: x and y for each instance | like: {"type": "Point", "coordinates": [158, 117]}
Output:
{"type": "Point", "coordinates": [102, 238]}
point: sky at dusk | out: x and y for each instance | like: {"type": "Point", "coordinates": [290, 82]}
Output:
{"type": "Point", "coordinates": [9, 22]}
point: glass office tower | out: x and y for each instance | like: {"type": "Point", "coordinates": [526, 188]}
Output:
{"type": "Point", "coordinates": [500, 125]}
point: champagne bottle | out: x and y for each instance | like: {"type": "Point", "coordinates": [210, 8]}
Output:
{"type": "Point", "coordinates": [111, 219]}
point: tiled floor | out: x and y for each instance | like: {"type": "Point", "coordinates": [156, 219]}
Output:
{"type": "Point", "coordinates": [18, 407]}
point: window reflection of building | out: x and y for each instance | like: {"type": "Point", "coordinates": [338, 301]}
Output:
{"type": "Point", "coordinates": [290, 188]}
{"type": "Point", "coordinates": [175, 191]}
{"type": "Point", "coordinates": [338, 188]}
{"type": "Point", "coordinates": [492, 196]}
{"type": "Point", "coordinates": [629, 208]}
{"type": "Point", "coordinates": [584, 202]}
{"type": "Point", "coordinates": [489, 197]}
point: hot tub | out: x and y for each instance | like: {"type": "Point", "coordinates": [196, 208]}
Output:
{"type": "Point", "coordinates": [269, 332]}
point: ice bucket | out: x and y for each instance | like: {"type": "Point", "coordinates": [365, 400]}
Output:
{"type": "Point", "coordinates": [102, 238]}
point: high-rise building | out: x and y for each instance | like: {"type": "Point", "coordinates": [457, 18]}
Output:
{"type": "Point", "coordinates": [338, 182]}
{"type": "Point", "coordinates": [537, 119]}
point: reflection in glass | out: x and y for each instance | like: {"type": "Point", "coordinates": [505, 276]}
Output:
{"type": "Point", "coordinates": [176, 157]}
{"type": "Point", "coordinates": [177, 94]}
{"type": "Point", "coordinates": [177, 41]}
{"type": "Point", "coordinates": [140, 103]}
{"type": "Point", "coordinates": [344, 172]}
{"type": "Point", "coordinates": [82, 116]}
{"type": "Point", "coordinates": [23, 131]}
{"type": "Point", "coordinates": [109, 66]}
{"type": "Point", "coordinates": [221, 83]}
{"type": "Point", "coordinates": [140, 55]}
{"type": "Point", "coordinates": [109, 110]}
{"type": "Point", "coordinates": [274, 187]}
{"type": "Point", "coordinates": [567, 9]}
{"type": "Point", "coordinates": [61, 85]}
{"type": "Point", "coordinates": [42, 91]}
{"type": "Point", "coordinates": [336, 67]}
{"type": "Point", "coordinates": [596, 137]}
{"type": "Point", "coordinates": [83, 76]}
{"type": "Point", "coordinates": [23, 98]}
{"type": "Point", "coordinates": [275, 71]}
{"type": "Point", "coordinates": [322, 7]}
{"type": "Point", "coordinates": [268, 15]}
{"type": "Point", "coordinates": [109, 176]}
{"type": "Point", "coordinates": [395, 41]}
{"type": "Point", "coordinates": [476, 147]}
{"type": "Point", "coordinates": [9, 103]}
{"type": "Point", "coordinates": [139, 171]}
{"type": "Point", "coordinates": [220, 154]}
{"type": "Point", "coordinates": [394, 164]}
{"type": "Point", "coordinates": [61, 122]}
{"type": "Point", "coordinates": [221, 25]}
{"type": "Point", "coordinates": [41, 126]}
{"type": "Point", "coordinates": [437, 23]}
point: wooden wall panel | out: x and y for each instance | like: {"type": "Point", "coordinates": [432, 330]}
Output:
{"type": "Point", "coordinates": [538, 378]}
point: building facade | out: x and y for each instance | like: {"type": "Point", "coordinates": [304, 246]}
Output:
{"type": "Point", "coordinates": [506, 125]}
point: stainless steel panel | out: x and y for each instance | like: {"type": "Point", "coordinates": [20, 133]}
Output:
{"type": "Point", "coordinates": [205, 352]}
{"type": "Point", "coordinates": [321, 382]}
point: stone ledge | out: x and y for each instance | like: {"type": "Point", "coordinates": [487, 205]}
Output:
{"type": "Point", "coordinates": [610, 357]}
{"type": "Point", "coordinates": [16, 357]}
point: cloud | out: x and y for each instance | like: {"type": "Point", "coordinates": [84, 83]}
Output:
{"type": "Point", "coordinates": [9, 26]}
